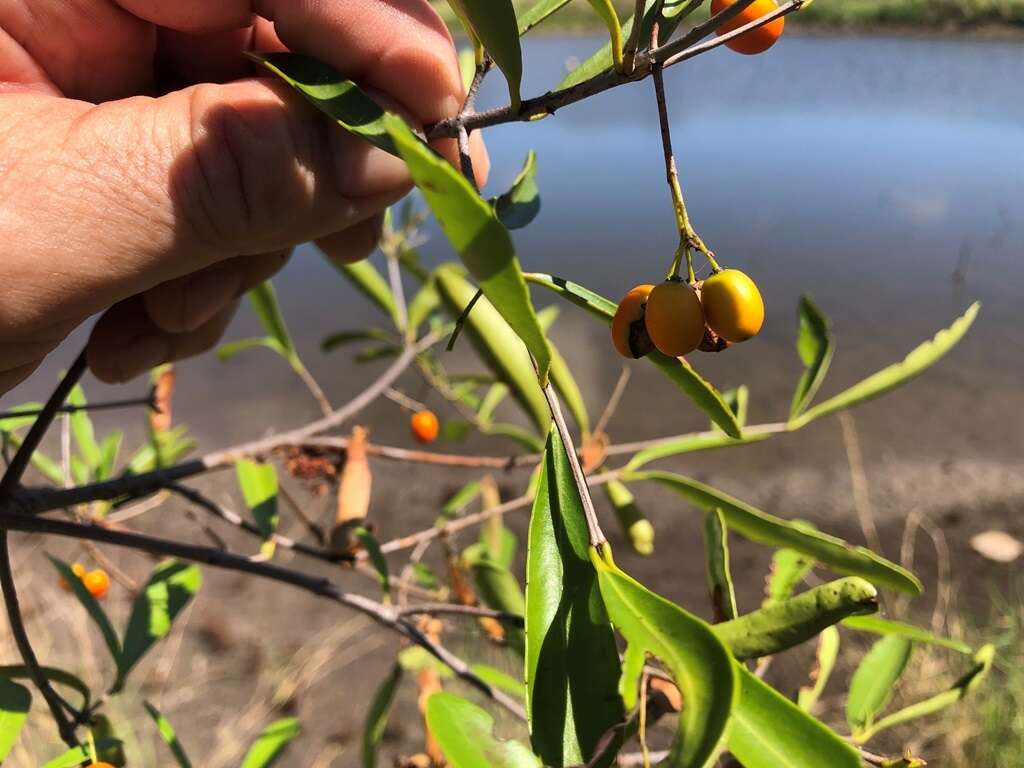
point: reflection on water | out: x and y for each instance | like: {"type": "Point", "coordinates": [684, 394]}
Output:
{"type": "Point", "coordinates": [863, 172]}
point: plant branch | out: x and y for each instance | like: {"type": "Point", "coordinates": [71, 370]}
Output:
{"type": "Point", "coordinates": [131, 402]}
{"type": "Point", "coordinates": [440, 609]}
{"type": "Point", "coordinates": [613, 400]}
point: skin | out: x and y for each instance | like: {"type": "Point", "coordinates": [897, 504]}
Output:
{"type": "Point", "coordinates": [756, 40]}
{"type": "Point", "coordinates": [148, 177]}
{"type": "Point", "coordinates": [628, 332]}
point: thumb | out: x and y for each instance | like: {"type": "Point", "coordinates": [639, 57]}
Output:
{"type": "Point", "coordinates": [107, 201]}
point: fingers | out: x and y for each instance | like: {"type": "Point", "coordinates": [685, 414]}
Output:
{"type": "Point", "coordinates": [400, 47]}
{"type": "Point", "coordinates": [188, 303]}
{"type": "Point", "coordinates": [125, 342]}
{"type": "Point", "coordinates": [355, 243]}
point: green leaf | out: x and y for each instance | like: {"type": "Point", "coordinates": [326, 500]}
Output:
{"type": "Point", "coordinates": [424, 576]}
{"type": "Point", "coordinates": [603, 58]}
{"type": "Point", "coordinates": [815, 346]}
{"type": "Point", "coordinates": [228, 351]}
{"type": "Point", "coordinates": [498, 679]}
{"type": "Point", "coordinates": [824, 662]}
{"type": "Point", "coordinates": [423, 305]}
{"type": "Point", "coordinates": [481, 241]}
{"type": "Point", "coordinates": [103, 729]}
{"type": "Point", "coordinates": [371, 354]}
{"type": "Point", "coordinates": [15, 422]}
{"type": "Point", "coordinates": [415, 657]}
{"type": "Point", "coordinates": [705, 396]}
{"type": "Point", "coordinates": [565, 385]}
{"type": "Point", "coordinates": [738, 401]}
{"type": "Point", "coordinates": [880, 626]}
{"type": "Point", "coordinates": [327, 90]}
{"type": "Point", "coordinates": [889, 378]}
{"type": "Point", "coordinates": [110, 448]}
{"type": "Point", "coordinates": [970, 681]}
{"type": "Point", "coordinates": [872, 684]}
{"type": "Point", "coordinates": [788, 569]}
{"type": "Point", "coordinates": [467, 67]}
{"type": "Point", "coordinates": [538, 12]}
{"type": "Point", "coordinates": [168, 734]}
{"type": "Point", "coordinates": [377, 715]}
{"type": "Point", "coordinates": [698, 441]}
{"type": "Point", "coordinates": [716, 562]}
{"type": "Point", "coordinates": [341, 338]}
{"type": "Point", "coordinates": [497, 344]}
{"type": "Point", "coordinates": [699, 663]}
{"type": "Point", "coordinates": [786, 624]}
{"type": "Point", "coordinates": [496, 393]}
{"type": "Point", "coordinates": [263, 300]}
{"type": "Point", "coordinates": [755, 525]}
{"type": "Point", "coordinates": [271, 743]}
{"type": "Point", "coordinates": [606, 11]}
{"type": "Point", "coordinates": [465, 733]}
{"type": "Point", "coordinates": [380, 563]}
{"type": "Point", "coordinates": [769, 731]}
{"type": "Point", "coordinates": [163, 448]}
{"type": "Point", "coordinates": [83, 432]}
{"type": "Point", "coordinates": [92, 607]}
{"type": "Point", "coordinates": [259, 489]}
{"type": "Point", "coordinates": [369, 282]}
{"type": "Point", "coordinates": [15, 701]}
{"type": "Point", "coordinates": [171, 586]}
{"type": "Point", "coordinates": [571, 660]}
{"type": "Point", "coordinates": [54, 675]}
{"type": "Point", "coordinates": [521, 204]}
{"type": "Point", "coordinates": [637, 528]}
{"type": "Point", "coordinates": [74, 757]}
{"type": "Point", "coordinates": [499, 589]}
{"type": "Point", "coordinates": [461, 499]}
{"type": "Point", "coordinates": [493, 23]}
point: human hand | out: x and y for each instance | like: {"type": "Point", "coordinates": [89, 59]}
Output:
{"type": "Point", "coordinates": [145, 175]}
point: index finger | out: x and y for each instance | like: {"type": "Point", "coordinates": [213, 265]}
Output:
{"type": "Point", "coordinates": [399, 47]}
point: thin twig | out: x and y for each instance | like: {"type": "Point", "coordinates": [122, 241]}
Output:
{"type": "Point", "coordinates": [12, 477]}
{"type": "Point", "coordinates": [613, 400]}
{"type": "Point", "coordinates": [132, 402]}
{"type": "Point", "coordinates": [440, 609]}
{"type": "Point", "coordinates": [314, 389]}
{"type": "Point", "coordinates": [17, 624]}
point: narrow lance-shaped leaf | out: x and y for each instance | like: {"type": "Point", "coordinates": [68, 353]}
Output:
{"type": "Point", "coordinates": [465, 733]}
{"type": "Point", "coordinates": [369, 282]}
{"type": "Point", "coordinates": [334, 95]}
{"type": "Point", "coordinates": [521, 203]}
{"type": "Point", "coordinates": [499, 589]}
{"type": "Point", "coordinates": [476, 234]}
{"type": "Point", "coordinates": [637, 528]}
{"type": "Point", "coordinates": [54, 675]}
{"type": "Point", "coordinates": [377, 715]}
{"type": "Point", "coordinates": [380, 564]}
{"type": "Point", "coordinates": [753, 524]}
{"type": "Point", "coordinates": [699, 663]}
{"type": "Point", "coordinates": [15, 701]}
{"type": "Point", "coordinates": [258, 482]}
{"type": "Point", "coordinates": [880, 626]}
{"type": "Point", "coordinates": [83, 432]}
{"type": "Point", "coordinates": [693, 443]}
{"type": "Point", "coordinates": [168, 734]}
{"type": "Point", "coordinates": [716, 561]}
{"type": "Point", "coordinates": [571, 657]}
{"type": "Point", "coordinates": [171, 586]}
{"type": "Point", "coordinates": [75, 756]}
{"type": "Point", "coordinates": [968, 682]}
{"type": "Point", "coordinates": [815, 346]}
{"type": "Point", "coordinates": [271, 743]}
{"type": "Point", "coordinates": [497, 344]}
{"type": "Point", "coordinates": [875, 678]}
{"type": "Point", "coordinates": [493, 23]}
{"type": "Point", "coordinates": [92, 607]}
{"type": "Point", "coordinates": [824, 662]}
{"type": "Point", "coordinates": [705, 396]}
{"type": "Point", "coordinates": [499, 679]}
{"type": "Point", "coordinates": [226, 352]}
{"type": "Point", "coordinates": [606, 10]}
{"type": "Point", "coordinates": [788, 569]}
{"type": "Point", "coordinates": [770, 731]}
{"type": "Point", "coordinates": [538, 12]}
{"type": "Point", "coordinates": [562, 378]}
{"type": "Point", "coordinates": [919, 359]}
{"type": "Point", "coordinates": [783, 625]}
{"type": "Point", "coordinates": [263, 299]}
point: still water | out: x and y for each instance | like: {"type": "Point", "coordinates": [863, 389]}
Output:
{"type": "Point", "coordinates": [883, 177]}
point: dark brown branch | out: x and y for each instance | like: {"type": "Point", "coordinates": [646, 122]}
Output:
{"type": "Point", "coordinates": [669, 54]}
{"type": "Point", "coordinates": [12, 477]}
{"type": "Point", "coordinates": [53, 699]}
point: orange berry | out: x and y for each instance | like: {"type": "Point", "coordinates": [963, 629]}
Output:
{"type": "Point", "coordinates": [674, 318]}
{"type": "Point", "coordinates": [756, 40]}
{"type": "Point", "coordinates": [97, 582]}
{"type": "Point", "coordinates": [101, 765]}
{"type": "Point", "coordinates": [732, 305]}
{"type": "Point", "coordinates": [629, 335]}
{"type": "Point", "coordinates": [424, 426]}
{"type": "Point", "coordinates": [76, 568]}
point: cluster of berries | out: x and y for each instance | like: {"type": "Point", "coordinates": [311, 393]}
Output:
{"type": "Point", "coordinates": [677, 317]}
{"type": "Point", "coordinates": [97, 581]}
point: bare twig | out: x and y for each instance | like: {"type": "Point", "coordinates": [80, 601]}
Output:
{"type": "Point", "coordinates": [131, 402]}
{"type": "Point", "coordinates": [613, 400]}
{"type": "Point", "coordinates": [859, 483]}
{"type": "Point", "coordinates": [440, 609]}
{"type": "Point", "coordinates": [314, 389]}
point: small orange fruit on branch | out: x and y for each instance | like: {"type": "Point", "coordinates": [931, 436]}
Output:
{"type": "Point", "coordinates": [629, 334]}
{"type": "Point", "coordinates": [732, 305]}
{"type": "Point", "coordinates": [674, 318]}
{"type": "Point", "coordinates": [97, 582]}
{"type": "Point", "coordinates": [425, 426]}
{"type": "Point", "coordinates": [756, 40]}
{"type": "Point", "coordinates": [79, 570]}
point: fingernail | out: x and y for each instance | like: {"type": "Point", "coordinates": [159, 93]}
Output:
{"type": "Point", "coordinates": [140, 355]}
